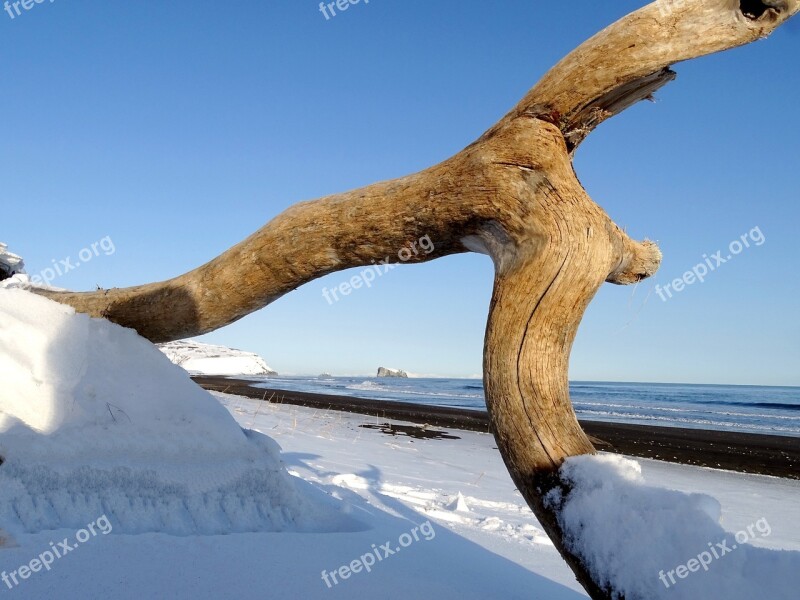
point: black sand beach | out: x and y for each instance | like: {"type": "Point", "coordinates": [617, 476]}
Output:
{"type": "Point", "coordinates": [774, 455]}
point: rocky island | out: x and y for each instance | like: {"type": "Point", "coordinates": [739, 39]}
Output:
{"type": "Point", "coordinates": [384, 372]}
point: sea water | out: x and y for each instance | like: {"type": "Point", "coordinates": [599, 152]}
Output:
{"type": "Point", "coordinates": [753, 409]}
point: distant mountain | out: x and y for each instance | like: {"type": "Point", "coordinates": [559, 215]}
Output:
{"type": "Point", "coordinates": [207, 359]}
{"type": "Point", "coordinates": [9, 263]}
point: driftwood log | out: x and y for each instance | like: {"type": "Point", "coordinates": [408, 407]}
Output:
{"type": "Point", "coordinates": [512, 194]}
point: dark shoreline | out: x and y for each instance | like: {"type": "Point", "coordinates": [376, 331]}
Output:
{"type": "Point", "coordinates": [774, 455]}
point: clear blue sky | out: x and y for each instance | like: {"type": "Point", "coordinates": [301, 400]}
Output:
{"type": "Point", "coordinates": [178, 128]}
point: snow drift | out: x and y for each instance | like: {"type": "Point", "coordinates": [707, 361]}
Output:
{"type": "Point", "coordinates": [650, 543]}
{"type": "Point", "coordinates": [95, 420]}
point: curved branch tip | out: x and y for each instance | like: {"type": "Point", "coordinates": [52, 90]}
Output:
{"type": "Point", "coordinates": [640, 260]}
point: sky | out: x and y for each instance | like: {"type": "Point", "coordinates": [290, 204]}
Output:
{"type": "Point", "coordinates": [169, 131]}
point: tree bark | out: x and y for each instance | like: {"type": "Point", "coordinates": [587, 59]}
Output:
{"type": "Point", "coordinates": [512, 194]}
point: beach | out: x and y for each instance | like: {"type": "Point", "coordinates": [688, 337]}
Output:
{"type": "Point", "coordinates": [777, 456]}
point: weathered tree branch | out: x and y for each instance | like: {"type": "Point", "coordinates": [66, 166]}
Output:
{"type": "Point", "coordinates": [512, 194]}
{"type": "Point", "coordinates": [630, 60]}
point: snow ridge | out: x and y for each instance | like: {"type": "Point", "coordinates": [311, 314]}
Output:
{"type": "Point", "coordinates": [95, 420]}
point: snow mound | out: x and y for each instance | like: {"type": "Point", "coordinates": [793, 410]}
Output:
{"type": "Point", "coordinates": [94, 419]}
{"type": "Point", "coordinates": [20, 280]}
{"type": "Point", "coordinates": [207, 359]}
{"type": "Point", "coordinates": [10, 260]}
{"type": "Point", "coordinates": [649, 543]}
{"type": "Point", "coordinates": [459, 504]}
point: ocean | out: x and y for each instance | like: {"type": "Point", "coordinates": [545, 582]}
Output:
{"type": "Point", "coordinates": [752, 409]}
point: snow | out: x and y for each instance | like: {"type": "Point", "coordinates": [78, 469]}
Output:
{"type": "Point", "coordinates": [207, 359]}
{"type": "Point", "coordinates": [10, 263]}
{"type": "Point", "coordinates": [23, 281]}
{"type": "Point", "coordinates": [96, 422]}
{"type": "Point", "coordinates": [9, 259]}
{"type": "Point", "coordinates": [390, 484]}
{"type": "Point", "coordinates": [649, 542]}
{"type": "Point", "coordinates": [94, 419]}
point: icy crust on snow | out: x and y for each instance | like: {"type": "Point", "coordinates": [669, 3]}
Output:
{"type": "Point", "coordinates": [630, 534]}
{"type": "Point", "coordinates": [94, 419]}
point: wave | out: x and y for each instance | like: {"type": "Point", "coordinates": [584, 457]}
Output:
{"type": "Point", "coordinates": [690, 396]}
{"type": "Point", "coordinates": [775, 405]}
{"type": "Point", "coordinates": [614, 415]}
{"type": "Point", "coordinates": [687, 410]}
{"type": "Point", "coordinates": [438, 394]}
{"type": "Point", "coordinates": [367, 386]}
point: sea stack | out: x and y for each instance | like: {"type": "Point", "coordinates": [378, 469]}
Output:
{"type": "Point", "coordinates": [384, 372]}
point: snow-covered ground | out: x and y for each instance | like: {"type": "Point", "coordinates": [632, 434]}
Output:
{"type": "Point", "coordinates": [207, 359]}
{"type": "Point", "coordinates": [121, 478]}
{"type": "Point", "coordinates": [437, 479]}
